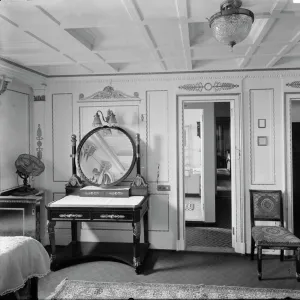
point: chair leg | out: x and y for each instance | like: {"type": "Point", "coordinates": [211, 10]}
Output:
{"type": "Point", "coordinates": [281, 255]}
{"type": "Point", "coordinates": [259, 262]}
{"type": "Point", "coordinates": [252, 248]}
{"type": "Point", "coordinates": [298, 264]}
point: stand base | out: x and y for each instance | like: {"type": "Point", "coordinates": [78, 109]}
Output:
{"type": "Point", "coordinates": [24, 191]}
{"type": "Point", "coordinates": [81, 252]}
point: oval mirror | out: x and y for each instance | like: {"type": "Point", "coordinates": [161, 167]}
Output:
{"type": "Point", "coordinates": [106, 156]}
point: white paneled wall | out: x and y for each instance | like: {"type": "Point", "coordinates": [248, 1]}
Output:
{"type": "Point", "coordinates": [15, 134]}
{"type": "Point", "coordinates": [158, 137]}
{"type": "Point", "coordinates": [62, 122]}
{"type": "Point", "coordinates": [261, 96]}
{"type": "Point", "coordinates": [262, 136]}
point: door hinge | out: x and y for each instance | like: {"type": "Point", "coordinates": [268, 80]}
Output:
{"type": "Point", "coordinates": [233, 230]}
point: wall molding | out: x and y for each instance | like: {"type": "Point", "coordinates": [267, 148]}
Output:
{"type": "Point", "coordinates": [252, 140]}
{"type": "Point", "coordinates": [294, 84]}
{"type": "Point", "coordinates": [220, 75]}
{"type": "Point", "coordinates": [4, 83]}
{"type": "Point", "coordinates": [109, 93]}
{"type": "Point", "coordinates": [39, 138]}
{"type": "Point", "coordinates": [216, 86]}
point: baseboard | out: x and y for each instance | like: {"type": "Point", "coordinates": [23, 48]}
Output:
{"type": "Point", "coordinates": [180, 245]}
{"type": "Point", "coordinates": [199, 224]}
{"type": "Point", "coordinates": [192, 195]}
{"type": "Point", "coordinates": [240, 248]}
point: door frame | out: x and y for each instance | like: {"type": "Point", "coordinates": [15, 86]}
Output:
{"type": "Point", "coordinates": [288, 208]}
{"type": "Point", "coordinates": [237, 176]}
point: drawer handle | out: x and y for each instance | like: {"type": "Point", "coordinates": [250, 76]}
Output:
{"type": "Point", "coordinates": [112, 216]}
{"type": "Point", "coordinates": [70, 215]}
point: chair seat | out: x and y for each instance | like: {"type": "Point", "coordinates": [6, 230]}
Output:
{"type": "Point", "coordinates": [275, 236]}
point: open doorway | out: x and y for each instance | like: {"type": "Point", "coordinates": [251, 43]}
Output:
{"type": "Point", "coordinates": [236, 169]}
{"type": "Point", "coordinates": [207, 176]}
{"type": "Point", "coordinates": [293, 159]}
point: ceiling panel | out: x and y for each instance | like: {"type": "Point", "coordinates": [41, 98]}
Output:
{"type": "Point", "coordinates": [289, 62]}
{"type": "Point", "coordinates": [127, 55]}
{"type": "Point", "coordinates": [165, 34]}
{"type": "Point", "coordinates": [294, 50]}
{"type": "Point", "coordinates": [61, 69]}
{"type": "Point", "coordinates": [65, 37]}
{"type": "Point", "coordinates": [269, 49]}
{"type": "Point", "coordinates": [200, 34]}
{"type": "Point", "coordinates": [156, 9]}
{"type": "Point", "coordinates": [259, 61]}
{"type": "Point", "coordinates": [112, 37]}
{"type": "Point", "coordinates": [175, 64]}
{"type": "Point", "coordinates": [171, 52]}
{"type": "Point", "coordinates": [283, 30]}
{"type": "Point", "coordinates": [218, 52]}
{"type": "Point", "coordinates": [136, 67]}
{"type": "Point", "coordinates": [209, 64]}
{"type": "Point", "coordinates": [80, 13]}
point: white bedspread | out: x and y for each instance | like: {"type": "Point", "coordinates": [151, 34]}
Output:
{"type": "Point", "coordinates": [21, 258]}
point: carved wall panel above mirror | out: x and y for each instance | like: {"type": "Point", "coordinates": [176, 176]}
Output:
{"type": "Point", "coordinates": [106, 156]}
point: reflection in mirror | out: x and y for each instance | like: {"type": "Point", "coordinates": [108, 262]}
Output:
{"type": "Point", "coordinates": [106, 156]}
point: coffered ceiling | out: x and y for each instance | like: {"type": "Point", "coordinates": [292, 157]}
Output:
{"type": "Point", "coordinates": [72, 37]}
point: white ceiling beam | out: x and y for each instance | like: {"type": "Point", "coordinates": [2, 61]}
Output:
{"type": "Point", "coordinates": [181, 6]}
{"type": "Point", "coordinates": [135, 16]}
{"type": "Point", "coordinates": [275, 11]}
{"type": "Point", "coordinates": [284, 50]}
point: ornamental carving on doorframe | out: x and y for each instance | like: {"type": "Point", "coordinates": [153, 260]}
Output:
{"type": "Point", "coordinates": [39, 143]}
{"type": "Point", "coordinates": [294, 84]}
{"type": "Point", "coordinates": [216, 86]}
{"type": "Point", "coordinates": [109, 93]}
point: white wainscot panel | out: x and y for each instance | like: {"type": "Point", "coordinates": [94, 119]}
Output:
{"type": "Point", "coordinates": [158, 136]}
{"type": "Point", "coordinates": [262, 137]}
{"type": "Point", "coordinates": [159, 212]}
{"type": "Point", "coordinates": [62, 130]}
{"type": "Point", "coordinates": [14, 135]}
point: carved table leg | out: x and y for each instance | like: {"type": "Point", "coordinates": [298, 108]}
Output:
{"type": "Point", "coordinates": [74, 225]}
{"type": "Point", "coordinates": [146, 231]}
{"type": "Point", "coordinates": [136, 247]}
{"type": "Point", "coordinates": [51, 233]}
{"type": "Point", "coordinates": [298, 264]}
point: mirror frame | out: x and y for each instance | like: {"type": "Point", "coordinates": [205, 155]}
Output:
{"type": "Point", "coordinates": [83, 140]}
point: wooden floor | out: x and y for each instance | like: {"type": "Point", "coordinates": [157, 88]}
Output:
{"type": "Point", "coordinates": [182, 267]}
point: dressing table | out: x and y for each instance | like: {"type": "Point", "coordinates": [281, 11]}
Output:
{"type": "Point", "coordinates": [105, 157]}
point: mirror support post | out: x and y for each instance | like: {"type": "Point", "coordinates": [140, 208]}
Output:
{"type": "Point", "coordinates": [138, 158]}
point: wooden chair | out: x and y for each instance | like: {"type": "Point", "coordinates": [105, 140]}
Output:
{"type": "Point", "coordinates": [268, 206]}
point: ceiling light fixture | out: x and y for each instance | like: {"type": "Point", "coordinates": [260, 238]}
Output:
{"type": "Point", "coordinates": [232, 24]}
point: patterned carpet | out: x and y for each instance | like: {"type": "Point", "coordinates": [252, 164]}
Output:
{"type": "Point", "coordinates": [78, 289]}
{"type": "Point", "coordinates": [208, 237]}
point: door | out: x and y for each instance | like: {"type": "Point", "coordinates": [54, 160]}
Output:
{"type": "Point", "coordinates": [296, 175]}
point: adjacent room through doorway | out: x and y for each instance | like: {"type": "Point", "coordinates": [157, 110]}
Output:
{"type": "Point", "coordinates": [207, 176]}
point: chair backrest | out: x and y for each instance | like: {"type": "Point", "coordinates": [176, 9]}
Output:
{"type": "Point", "coordinates": [266, 206]}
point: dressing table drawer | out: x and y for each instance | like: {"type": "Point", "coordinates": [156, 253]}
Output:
{"type": "Point", "coordinates": [70, 215]}
{"type": "Point", "coordinates": [112, 216]}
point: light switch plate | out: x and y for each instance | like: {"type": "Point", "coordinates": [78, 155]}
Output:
{"type": "Point", "coordinates": [163, 187]}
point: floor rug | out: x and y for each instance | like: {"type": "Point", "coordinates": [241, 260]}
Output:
{"type": "Point", "coordinates": [77, 289]}
{"type": "Point", "coordinates": [208, 237]}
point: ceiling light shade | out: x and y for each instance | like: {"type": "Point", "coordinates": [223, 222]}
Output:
{"type": "Point", "coordinates": [232, 24]}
